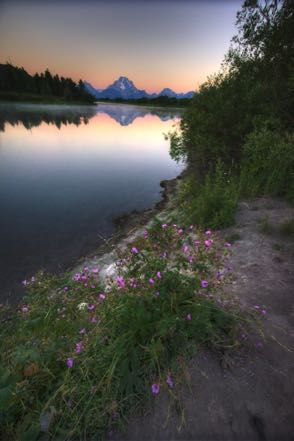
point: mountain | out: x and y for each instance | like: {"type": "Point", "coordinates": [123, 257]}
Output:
{"type": "Point", "coordinates": [125, 89]}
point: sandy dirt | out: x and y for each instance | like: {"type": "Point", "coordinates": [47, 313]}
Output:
{"type": "Point", "coordinates": [246, 395]}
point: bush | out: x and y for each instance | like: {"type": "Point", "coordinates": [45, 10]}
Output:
{"type": "Point", "coordinates": [78, 357]}
{"type": "Point", "coordinates": [268, 164]}
{"type": "Point", "coordinates": [213, 203]}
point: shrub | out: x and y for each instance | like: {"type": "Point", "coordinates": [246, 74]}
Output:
{"type": "Point", "coordinates": [78, 357]}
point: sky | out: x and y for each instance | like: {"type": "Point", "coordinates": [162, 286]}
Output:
{"type": "Point", "coordinates": [155, 43]}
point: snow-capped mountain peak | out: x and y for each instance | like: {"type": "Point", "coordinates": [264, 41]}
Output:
{"type": "Point", "coordinates": [125, 89]}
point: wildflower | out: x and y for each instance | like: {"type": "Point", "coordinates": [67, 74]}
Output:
{"type": "Point", "coordinates": [228, 245]}
{"type": "Point", "coordinates": [263, 311]}
{"type": "Point", "coordinates": [79, 347]}
{"type": "Point", "coordinates": [65, 288]}
{"type": "Point", "coordinates": [151, 281]}
{"type": "Point", "coordinates": [25, 309]}
{"type": "Point", "coordinates": [158, 274]}
{"type": "Point", "coordinates": [196, 242]}
{"type": "Point", "coordinates": [191, 227]}
{"type": "Point", "coordinates": [155, 388]}
{"type": "Point", "coordinates": [91, 307]}
{"type": "Point", "coordinates": [219, 275]}
{"type": "Point", "coordinates": [82, 305]}
{"type": "Point", "coordinates": [25, 282]}
{"type": "Point", "coordinates": [190, 259]}
{"type": "Point", "coordinates": [82, 331]}
{"type": "Point", "coordinates": [145, 234]}
{"type": "Point", "coordinates": [93, 319]}
{"type": "Point", "coordinates": [164, 254]}
{"type": "Point", "coordinates": [86, 269]}
{"type": "Point", "coordinates": [169, 381]}
{"type": "Point", "coordinates": [95, 270]}
{"type": "Point", "coordinates": [189, 317]}
{"type": "Point", "coordinates": [102, 296]}
{"type": "Point", "coordinates": [180, 231]}
{"type": "Point", "coordinates": [70, 363]}
{"type": "Point", "coordinates": [256, 307]}
{"type": "Point", "coordinates": [164, 226]}
{"type": "Point", "coordinates": [157, 293]}
{"type": "Point", "coordinates": [204, 283]}
{"type": "Point", "coordinates": [121, 281]}
{"type": "Point", "coordinates": [77, 277]}
{"type": "Point", "coordinates": [185, 248]}
{"type": "Point", "coordinates": [208, 243]}
{"type": "Point", "coordinates": [93, 286]}
{"type": "Point", "coordinates": [134, 250]}
{"type": "Point", "coordinates": [208, 233]}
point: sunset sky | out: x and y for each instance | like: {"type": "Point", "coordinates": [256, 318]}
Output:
{"type": "Point", "coordinates": [156, 44]}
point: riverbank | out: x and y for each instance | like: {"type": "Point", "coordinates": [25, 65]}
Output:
{"type": "Point", "coordinates": [245, 394]}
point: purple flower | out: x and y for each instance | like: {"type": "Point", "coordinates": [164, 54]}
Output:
{"type": "Point", "coordinates": [25, 282]}
{"type": "Point", "coordinates": [134, 250]}
{"type": "Point", "coordinates": [189, 317]}
{"type": "Point", "coordinates": [208, 233]}
{"type": "Point", "coordinates": [25, 309]}
{"type": "Point", "coordinates": [256, 307]}
{"type": "Point", "coordinates": [204, 283]}
{"type": "Point", "coordinates": [77, 277]}
{"type": "Point", "coordinates": [70, 363]}
{"type": "Point", "coordinates": [263, 311]}
{"type": "Point", "coordinates": [157, 293]}
{"type": "Point", "coordinates": [191, 227]}
{"type": "Point", "coordinates": [93, 286]}
{"type": "Point", "coordinates": [169, 381]}
{"type": "Point", "coordinates": [65, 288]}
{"type": "Point", "coordinates": [121, 281]}
{"type": "Point", "coordinates": [95, 270]}
{"type": "Point", "coordinates": [228, 245]}
{"type": "Point", "coordinates": [196, 242]}
{"type": "Point", "coordinates": [79, 347]}
{"type": "Point", "coordinates": [155, 388]}
{"type": "Point", "coordinates": [180, 231]}
{"type": "Point", "coordinates": [86, 269]}
{"type": "Point", "coordinates": [190, 259]}
{"type": "Point", "coordinates": [208, 243]}
{"type": "Point", "coordinates": [185, 248]}
{"type": "Point", "coordinates": [91, 307]}
{"type": "Point", "coordinates": [82, 331]}
{"type": "Point", "coordinates": [164, 226]}
{"type": "Point", "coordinates": [145, 234]}
{"type": "Point", "coordinates": [93, 319]}
{"type": "Point", "coordinates": [151, 281]}
{"type": "Point", "coordinates": [102, 296]}
{"type": "Point", "coordinates": [158, 274]}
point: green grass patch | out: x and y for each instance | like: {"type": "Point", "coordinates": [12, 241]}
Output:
{"type": "Point", "coordinates": [79, 356]}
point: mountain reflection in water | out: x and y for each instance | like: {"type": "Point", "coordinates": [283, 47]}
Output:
{"type": "Point", "coordinates": [32, 115]}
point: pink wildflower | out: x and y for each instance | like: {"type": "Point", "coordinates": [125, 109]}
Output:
{"type": "Point", "coordinates": [70, 363]}
{"type": "Point", "coordinates": [151, 281]}
{"type": "Point", "coordinates": [185, 248]}
{"type": "Point", "coordinates": [190, 259]}
{"type": "Point", "coordinates": [79, 347]}
{"type": "Point", "coordinates": [82, 331]}
{"type": "Point", "coordinates": [134, 250]}
{"type": "Point", "coordinates": [95, 270]}
{"type": "Point", "coordinates": [164, 226]}
{"type": "Point", "coordinates": [25, 309]}
{"type": "Point", "coordinates": [204, 283]}
{"type": "Point", "coordinates": [158, 274]}
{"type": "Point", "coordinates": [169, 381]}
{"type": "Point", "coordinates": [121, 281]}
{"type": "Point", "coordinates": [189, 317]}
{"type": "Point", "coordinates": [228, 245]}
{"type": "Point", "coordinates": [93, 319]}
{"type": "Point", "coordinates": [102, 296]}
{"type": "Point", "coordinates": [25, 282]}
{"type": "Point", "coordinates": [208, 243]}
{"type": "Point", "coordinates": [180, 231]}
{"type": "Point", "coordinates": [208, 233]}
{"type": "Point", "coordinates": [155, 388]}
{"type": "Point", "coordinates": [91, 307]}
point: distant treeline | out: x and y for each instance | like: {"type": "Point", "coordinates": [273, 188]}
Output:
{"type": "Point", "coordinates": [163, 101]}
{"type": "Point", "coordinates": [17, 84]}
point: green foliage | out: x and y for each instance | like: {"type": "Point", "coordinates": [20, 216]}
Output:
{"type": "Point", "coordinates": [287, 227]}
{"type": "Point", "coordinates": [212, 203]}
{"type": "Point", "coordinates": [268, 164]}
{"type": "Point", "coordinates": [123, 337]}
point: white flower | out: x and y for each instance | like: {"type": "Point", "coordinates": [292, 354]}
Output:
{"type": "Point", "coordinates": [82, 305]}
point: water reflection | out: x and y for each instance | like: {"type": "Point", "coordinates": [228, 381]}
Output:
{"type": "Point", "coordinates": [64, 181]}
{"type": "Point", "coordinates": [32, 115]}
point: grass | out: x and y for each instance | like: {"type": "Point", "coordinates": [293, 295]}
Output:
{"type": "Point", "coordinates": [81, 354]}
{"type": "Point", "coordinates": [264, 226]}
{"type": "Point", "coordinates": [287, 228]}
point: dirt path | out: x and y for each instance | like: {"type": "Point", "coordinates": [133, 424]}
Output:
{"type": "Point", "coordinates": [248, 396]}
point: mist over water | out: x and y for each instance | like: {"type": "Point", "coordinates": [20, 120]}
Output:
{"type": "Point", "coordinates": [66, 172]}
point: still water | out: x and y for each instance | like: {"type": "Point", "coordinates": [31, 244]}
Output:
{"type": "Point", "coordinates": [66, 172]}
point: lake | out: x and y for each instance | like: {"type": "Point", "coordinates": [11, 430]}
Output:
{"type": "Point", "coordinates": [66, 172]}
